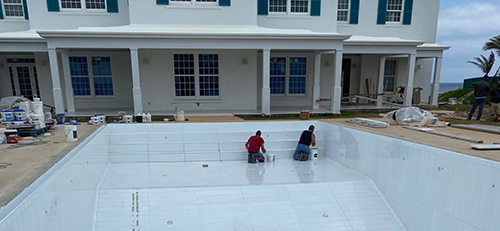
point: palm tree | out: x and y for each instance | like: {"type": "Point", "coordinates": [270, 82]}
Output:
{"type": "Point", "coordinates": [483, 63]}
{"type": "Point", "coordinates": [493, 44]}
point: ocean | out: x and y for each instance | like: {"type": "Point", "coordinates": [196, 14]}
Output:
{"type": "Point", "coordinates": [446, 87]}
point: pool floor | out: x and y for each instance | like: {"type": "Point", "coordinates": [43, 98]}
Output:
{"type": "Point", "coordinates": [234, 195]}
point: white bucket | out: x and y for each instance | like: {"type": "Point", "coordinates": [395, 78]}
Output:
{"type": "Point", "coordinates": [71, 133]}
{"type": "Point", "coordinates": [270, 157]}
{"type": "Point", "coordinates": [40, 118]}
{"type": "Point", "coordinates": [48, 115]}
{"type": "Point", "coordinates": [180, 116]}
{"type": "Point", "coordinates": [37, 107]}
{"type": "Point", "coordinates": [128, 119]}
{"type": "Point", "coordinates": [314, 154]}
{"type": "Point", "coordinates": [20, 115]}
{"type": "Point", "coordinates": [7, 115]}
{"type": "Point", "coordinates": [95, 120]}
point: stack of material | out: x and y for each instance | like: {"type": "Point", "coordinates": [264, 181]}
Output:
{"type": "Point", "coordinates": [369, 123]}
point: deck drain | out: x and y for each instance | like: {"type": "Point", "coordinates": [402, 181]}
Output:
{"type": "Point", "coordinates": [325, 215]}
{"type": "Point", "coordinates": [169, 222]}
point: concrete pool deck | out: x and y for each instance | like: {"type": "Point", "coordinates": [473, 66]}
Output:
{"type": "Point", "coordinates": [30, 161]}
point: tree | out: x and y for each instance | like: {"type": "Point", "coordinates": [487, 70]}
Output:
{"type": "Point", "coordinates": [493, 44]}
{"type": "Point", "coordinates": [483, 63]}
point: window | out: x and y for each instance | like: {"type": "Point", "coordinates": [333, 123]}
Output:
{"type": "Point", "coordinates": [96, 81]}
{"type": "Point", "coordinates": [194, 2]}
{"type": "Point", "coordinates": [83, 4]}
{"type": "Point", "coordinates": [394, 10]}
{"type": "Point", "coordinates": [390, 75]}
{"type": "Point", "coordinates": [196, 76]}
{"type": "Point", "coordinates": [288, 79]}
{"type": "Point", "coordinates": [13, 8]}
{"type": "Point", "coordinates": [343, 11]}
{"type": "Point", "coordinates": [289, 6]}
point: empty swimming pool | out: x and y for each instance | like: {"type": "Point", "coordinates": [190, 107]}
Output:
{"type": "Point", "coordinates": [195, 177]}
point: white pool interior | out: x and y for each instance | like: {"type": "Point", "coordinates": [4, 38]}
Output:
{"type": "Point", "coordinates": [151, 177]}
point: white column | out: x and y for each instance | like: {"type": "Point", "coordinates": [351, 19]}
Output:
{"type": "Point", "coordinates": [337, 78]}
{"type": "Point", "coordinates": [136, 80]}
{"type": "Point", "coordinates": [435, 86]}
{"type": "Point", "coordinates": [70, 100]}
{"type": "Point", "coordinates": [317, 75]}
{"type": "Point", "coordinates": [56, 82]}
{"type": "Point", "coordinates": [380, 88]}
{"type": "Point", "coordinates": [411, 75]}
{"type": "Point", "coordinates": [266, 90]}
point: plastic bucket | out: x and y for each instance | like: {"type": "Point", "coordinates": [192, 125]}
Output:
{"type": "Point", "coordinates": [60, 118]}
{"type": "Point", "coordinates": [314, 154]}
{"type": "Point", "coordinates": [127, 119]}
{"type": "Point", "coordinates": [270, 157]}
{"type": "Point", "coordinates": [180, 116]}
{"type": "Point", "coordinates": [138, 118]}
{"type": "Point", "coordinates": [40, 118]}
{"type": "Point", "coordinates": [7, 115]}
{"type": "Point", "coordinates": [37, 107]}
{"type": "Point", "coordinates": [20, 115]}
{"type": "Point", "coordinates": [11, 136]}
{"type": "Point", "coordinates": [71, 133]}
{"type": "Point", "coordinates": [25, 106]}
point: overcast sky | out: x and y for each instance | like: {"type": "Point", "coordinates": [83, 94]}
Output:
{"type": "Point", "coordinates": [466, 25]}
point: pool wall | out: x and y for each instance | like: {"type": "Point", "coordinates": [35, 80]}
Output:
{"type": "Point", "coordinates": [429, 188]}
{"type": "Point", "coordinates": [64, 197]}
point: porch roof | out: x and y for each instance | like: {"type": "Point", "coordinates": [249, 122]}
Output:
{"type": "Point", "coordinates": [186, 31]}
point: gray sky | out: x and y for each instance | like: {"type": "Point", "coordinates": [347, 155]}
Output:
{"type": "Point", "coordinates": [466, 25]}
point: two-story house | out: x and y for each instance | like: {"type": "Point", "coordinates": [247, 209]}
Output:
{"type": "Point", "coordinates": [217, 56]}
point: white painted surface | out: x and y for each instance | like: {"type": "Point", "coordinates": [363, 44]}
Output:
{"type": "Point", "coordinates": [428, 188]}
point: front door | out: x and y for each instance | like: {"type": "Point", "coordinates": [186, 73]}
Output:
{"type": "Point", "coordinates": [24, 80]}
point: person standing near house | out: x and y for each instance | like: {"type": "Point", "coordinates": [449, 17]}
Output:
{"type": "Point", "coordinates": [254, 145]}
{"type": "Point", "coordinates": [481, 91]}
{"type": "Point", "coordinates": [494, 101]}
{"type": "Point", "coordinates": [307, 138]}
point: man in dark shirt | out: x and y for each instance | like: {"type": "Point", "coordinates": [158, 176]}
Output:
{"type": "Point", "coordinates": [254, 145]}
{"type": "Point", "coordinates": [306, 138]}
{"type": "Point", "coordinates": [481, 91]}
{"type": "Point", "coordinates": [494, 99]}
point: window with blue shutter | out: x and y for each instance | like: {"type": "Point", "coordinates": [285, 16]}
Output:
{"type": "Point", "coordinates": [407, 12]}
{"type": "Point", "coordinates": [162, 2]}
{"type": "Point", "coordinates": [53, 5]}
{"type": "Point", "coordinates": [224, 2]}
{"type": "Point", "coordinates": [354, 14]}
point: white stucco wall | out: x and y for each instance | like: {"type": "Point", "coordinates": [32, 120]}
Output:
{"type": "Point", "coordinates": [241, 12]}
{"type": "Point", "coordinates": [8, 25]}
{"type": "Point", "coordinates": [41, 18]}
{"type": "Point", "coordinates": [44, 78]}
{"type": "Point", "coordinates": [423, 24]}
{"type": "Point", "coordinates": [237, 81]}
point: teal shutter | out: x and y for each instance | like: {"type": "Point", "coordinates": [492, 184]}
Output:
{"type": "Point", "coordinates": [161, 2]}
{"type": "Point", "coordinates": [53, 5]}
{"type": "Point", "coordinates": [25, 8]}
{"type": "Point", "coordinates": [382, 12]}
{"type": "Point", "coordinates": [354, 15]}
{"type": "Point", "coordinates": [112, 6]}
{"type": "Point", "coordinates": [1, 10]}
{"type": "Point", "coordinates": [263, 7]}
{"type": "Point", "coordinates": [224, 2]}
{"type": "Point", "coordinates": [407, 12]}
{"type": "Point", "coordinates": [315, 7]}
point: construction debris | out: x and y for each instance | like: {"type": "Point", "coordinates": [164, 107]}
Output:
{"type": "Point", "coordinates": [485, 146]}
{"type": "Point", "coordinates": [369, 123]}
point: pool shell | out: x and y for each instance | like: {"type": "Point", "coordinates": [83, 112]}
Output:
{"type": "Point", "coordinates": [427, 188]}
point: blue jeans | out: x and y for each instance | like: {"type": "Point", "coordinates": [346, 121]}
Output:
{"type": "Point", "coordinates": [301, 148]}
{"type": "Point", "coordinates": [477, 102]}
{"type": "Point", "coordinates": [257, 154]}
